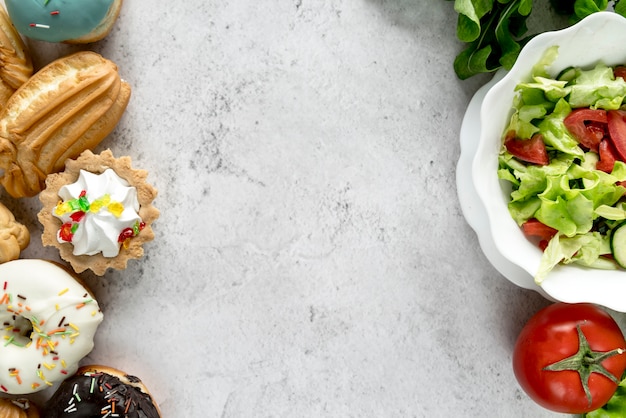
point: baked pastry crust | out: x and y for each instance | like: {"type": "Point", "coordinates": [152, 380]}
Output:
{"type": "Point", "coordinates": [14, 237]}
{"type": "Point", "coordinates": [16, 65]}
{"type": "Point", "coordinates": [17, 408]}
{"type": "Point", "coordinates": [97, 164]}
{"type": "Point", "coordinates": [68, 106]}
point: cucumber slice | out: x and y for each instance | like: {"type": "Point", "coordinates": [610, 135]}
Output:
{"type": "Point", "coordinates": [567, 74]}
{"type": "Point", "coordinates": [618, 244]}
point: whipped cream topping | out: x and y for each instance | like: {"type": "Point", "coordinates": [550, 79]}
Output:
{"type": "Point", "coordinates": [98, 213]}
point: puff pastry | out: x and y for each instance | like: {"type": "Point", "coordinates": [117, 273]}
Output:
{"type": "Point", "coordinates": [14, 236]}
{"type": "Point", "coordinates": [67, 107]}
{"type": "Point", "coordinates": [17, 408]}
{"type": "Point", "coordinates": [16, 65]}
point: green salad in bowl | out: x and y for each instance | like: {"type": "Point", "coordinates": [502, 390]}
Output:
{"type": "Point", "coordinates": [550, 166]}
{"type": "Point", "coordinates": [564, 153]}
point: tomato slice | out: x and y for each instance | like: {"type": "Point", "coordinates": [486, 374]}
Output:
{"type": "Point", "coordinates": [531, 150]}
{"type": "Point", "coordinates": [608, 156]}
{"type": "Point", "coordinates": [535, 228]}
{"type": "Point", "coordinates": [617, 132]}
{"type": "Point", "coordinates": [587, 126]}
{"type": "Point", "coordinates": [620, 71]}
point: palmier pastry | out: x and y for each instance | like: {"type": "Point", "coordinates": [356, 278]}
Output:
{"type": "Point", "coordinates": [14, 236]}
{"type": "Point", "coordinates": [68, 106]}
{"type": "Point", "coordinates": [16, 65]}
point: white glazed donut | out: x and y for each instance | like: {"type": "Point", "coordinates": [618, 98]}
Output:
{"type": "Point", "coordinates": [48, 323]}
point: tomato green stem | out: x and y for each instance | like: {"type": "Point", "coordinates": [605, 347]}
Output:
{"type": "Point", "coordinates": [586, 361]}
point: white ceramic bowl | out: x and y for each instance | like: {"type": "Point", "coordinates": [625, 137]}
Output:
{"type": "Point", "coordinates": [601, 37]}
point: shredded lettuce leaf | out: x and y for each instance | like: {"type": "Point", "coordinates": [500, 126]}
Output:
{"type": "Point", "coordinates": [581, 249]}
{"type": "Point", "coordinates": [598, 89]}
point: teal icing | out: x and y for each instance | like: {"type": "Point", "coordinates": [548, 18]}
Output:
{"type": "Point", "coordinates": [57, 20]}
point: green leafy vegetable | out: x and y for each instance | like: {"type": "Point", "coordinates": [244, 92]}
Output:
{"type": "Point", "coordinates": [598, 88]}
{"type": "Point", "coordinates": [616, 406]}
{"type": "Point", "coordinates": [584, 8]}
{"type": "Point", "coordinates": [492, 30]}
{"type": "Point", "coordinates": [582, 249]}
{"type": "Point", "coordinates": [495, 31]}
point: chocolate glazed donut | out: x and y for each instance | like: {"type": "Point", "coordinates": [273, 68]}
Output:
{"type": "Point", "coordinates": [101, 392]}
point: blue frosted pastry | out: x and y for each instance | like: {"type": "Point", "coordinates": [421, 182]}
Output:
{"type": "Point", "coordinates": [70, 21]}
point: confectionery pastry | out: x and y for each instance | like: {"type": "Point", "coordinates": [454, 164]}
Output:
{"type": "Point", "coordinates": [17, 408]}
{"type": "Point", "coordinates": [68, 106]}
{"type": "Point", "coordinates": [101, 391]}
{"type": "Point", "coordinates": [14, 236]}
{"type": "Point", "coordinates": [48, 319]}
{"type": "Point", "coordinates": [98, 212]}
{"type": "Point", "coordinates": [71, 21]}
{"type": "Point", "coordinates": [15, 62]}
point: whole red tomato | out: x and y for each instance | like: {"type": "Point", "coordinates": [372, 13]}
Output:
{"type": "Point", "coordinates": [570, 357]}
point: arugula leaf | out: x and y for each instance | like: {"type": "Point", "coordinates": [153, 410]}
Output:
{"type": "Point", "coordinates": [493, 35]}
{"type": "Point", "coordinates": [506, 33]}
{"type": "Point", "coordinates": [495, 31]}
{"type": "Point", "coordinates": [470, 12]}
{"type": "Point", "coordinates": [583, 8]}
{"type": "Point", "coordinates": [620, 8]}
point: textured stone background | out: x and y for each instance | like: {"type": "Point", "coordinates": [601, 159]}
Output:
{"type": "Point", "coordinates": [311, 258]}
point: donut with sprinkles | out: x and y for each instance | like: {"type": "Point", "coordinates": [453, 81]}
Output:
{"type": "Point", "coordinates": [70, 21]}
{"type": "Point", "coordinates": [101, 391]}
{"type": "Point", "coordinates": [48, 319]}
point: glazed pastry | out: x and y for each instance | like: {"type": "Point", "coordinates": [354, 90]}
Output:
{"type": "Point", "coordinates": [98, 212]}
{"type": "Point", "coordinates": [14, 236]}
{"type": "Point", "coordinates": [69, 106]}
{"type": "Point", "coordinates": [48, 324]}
{"type": "Point", "coordinates": [15, 62]}
{"type": "Point", "coordinates": [73, 21]}
{"type": "Point", "coordinates": [101, 391]}
{"type": "Point", "coordinates": [17, 408]}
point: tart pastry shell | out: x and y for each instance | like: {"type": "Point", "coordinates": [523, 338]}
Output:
{"type": "Point", "coordinates": [97, 164]}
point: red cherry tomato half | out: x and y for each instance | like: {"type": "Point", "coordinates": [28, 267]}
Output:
{"type": "Point", "coordinates": [617, 131]}
{"type": "Point", "coordinates": [531, 150]}
{"type": "Point", "coordinates": [588, 126]}
{"type": "Point", "coordinates": [608, 156]}
{"type": "Point", "coordinates": [534, 228]}
{"type": "Point", "coordinates": [560, 339]}
{"type": "Point", "coordinates": [620, 71]}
